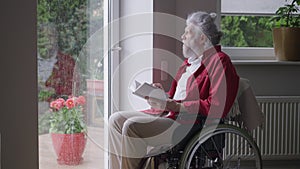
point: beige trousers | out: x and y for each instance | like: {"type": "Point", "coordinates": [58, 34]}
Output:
{"type": "Point", "coordinates": [132, 133]}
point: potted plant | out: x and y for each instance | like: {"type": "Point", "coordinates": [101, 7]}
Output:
{"type": "Point", "coordinates": [286, 33]}
{"type": "Point", "coordinates": [68, 129]}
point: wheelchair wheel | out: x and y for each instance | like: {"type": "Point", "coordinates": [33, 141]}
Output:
{"type": "Point", "coordinates": [225, 146]}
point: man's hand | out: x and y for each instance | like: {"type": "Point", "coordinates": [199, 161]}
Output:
{"type": "Point", "coordinates": [156, 103]}
{"type": "Point", "coordinates": [158, 85]}
{"type": "Point", "coordinates": [168, 105]}
{"type": "Point", "coordinates": [172, 105]}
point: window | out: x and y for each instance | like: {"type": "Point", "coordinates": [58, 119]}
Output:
{"type": "Point", "coordinates": [247, 29]}
{"type": "Point", "coordinates": [72, 63]}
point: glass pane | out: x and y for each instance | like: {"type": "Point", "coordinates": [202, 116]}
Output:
{"type": "Point", "coordinates": [251, 6]}
{"type": "Point", "coordinates": [70, 86]}
{"type": "Point", "coordinates": [246, 31]}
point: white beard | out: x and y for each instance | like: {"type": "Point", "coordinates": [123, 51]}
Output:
{"type": "Point", "coordinates": [188, 52]}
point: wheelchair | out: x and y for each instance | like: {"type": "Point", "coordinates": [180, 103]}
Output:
{"type": "Point", "coordinates": [221, 145]}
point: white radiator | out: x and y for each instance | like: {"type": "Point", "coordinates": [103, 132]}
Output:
{"type": "Point", "coordinates": [280, 136]}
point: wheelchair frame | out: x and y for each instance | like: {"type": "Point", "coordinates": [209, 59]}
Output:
{"type": "Point", "coordinates": [191, 157]}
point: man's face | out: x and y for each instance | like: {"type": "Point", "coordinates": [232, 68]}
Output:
{"type": "Point", "coordinates": [191, 41]}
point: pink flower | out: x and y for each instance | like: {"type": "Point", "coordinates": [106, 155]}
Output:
{"type": "Point", "coordinates": [80, 100]}
{"type": "Point", "coordinates": [57, 104]}
{"type": "Point", "coordinates": [70, 103]}
{"type": "Point", "coordinates": [54, 105]}
{"type": "Point", "coordinates": [60, 103]}
{"type": "Point", "coordinates": [60, 100]}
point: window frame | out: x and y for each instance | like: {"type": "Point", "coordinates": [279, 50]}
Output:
{"type": "Point", "coordinates": [246, 53]}
{"type": "Point", "coordinates": [250, 53]}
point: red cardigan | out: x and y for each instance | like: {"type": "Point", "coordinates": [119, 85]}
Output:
{"type": "Point", "coordinates": [212, 88]}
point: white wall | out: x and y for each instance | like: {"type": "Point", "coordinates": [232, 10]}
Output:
{"type": "Point", "coordinates": [136, 38]}
{"type": "Point", "coordinates": [272, 78]}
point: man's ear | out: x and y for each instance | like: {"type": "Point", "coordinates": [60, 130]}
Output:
{"type": "Point", "coordinates": [203, 38]}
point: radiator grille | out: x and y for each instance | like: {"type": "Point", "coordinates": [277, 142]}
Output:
{"type": "Point", "coordinates": [280, 136]}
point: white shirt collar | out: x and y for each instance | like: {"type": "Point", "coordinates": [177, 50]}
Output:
{"type": "Point", "coordinates": [195, 63]}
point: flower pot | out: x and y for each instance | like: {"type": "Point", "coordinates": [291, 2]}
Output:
{"type": "Point", "coordinates": [69, 147]}
{"type": "Point", "coordinates": [95, 86]}
{"type": "Point", "coordinates": [286, 43]}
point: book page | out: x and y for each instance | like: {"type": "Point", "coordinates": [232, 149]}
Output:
{"type": "Point", "coordinates": [147, 90]}
{"type": "Point", "coordinates": [135, 85]}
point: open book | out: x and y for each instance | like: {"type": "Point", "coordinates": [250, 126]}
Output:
{"type": "Point", "coordinates": [147, 90]}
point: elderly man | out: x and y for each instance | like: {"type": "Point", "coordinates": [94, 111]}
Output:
{"type": "Point", "coordinates": [206, 84]}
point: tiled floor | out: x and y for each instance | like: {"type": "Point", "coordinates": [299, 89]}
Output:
{"type": "Point", "coordinates": [93, 155]}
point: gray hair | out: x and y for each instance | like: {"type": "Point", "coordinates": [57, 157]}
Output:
{"type": "Point", "coordinates": [206, 23]}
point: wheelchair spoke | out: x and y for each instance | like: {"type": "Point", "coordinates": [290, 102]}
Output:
{"type": "Point", "coordinates": [228, 147]}
{"type": "Point", "coordinates": [216, 148]}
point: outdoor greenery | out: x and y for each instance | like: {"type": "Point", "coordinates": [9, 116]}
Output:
{"type": "Point", "coordinates": [68, 20]}
{"type": "Point", "coordinates": [256, 31]}
{"type": "Point", "coordinates": [288, 15]}
{"type": "Point", "coordinates": [67, 24]}
{"type": "Point", "coordinates": [64, 28]}
{"type": "Point", "coordinates": [44, 95]}
{"type": "Point", "coordinates": [246, 31]}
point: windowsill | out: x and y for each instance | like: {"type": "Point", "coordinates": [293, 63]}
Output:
{"type": "Point", "coordinates": [264, 62]}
